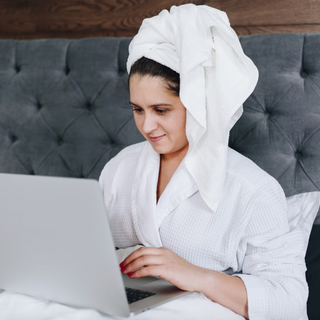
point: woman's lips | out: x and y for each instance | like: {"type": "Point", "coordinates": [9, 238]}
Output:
{"type": "Point", "coordinates": [156, 139]}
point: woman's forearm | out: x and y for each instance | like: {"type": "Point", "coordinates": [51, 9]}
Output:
{"type": "Point", "coordinates": [224, 289]}
{"type": "Point", "coordinates": [161, 262]}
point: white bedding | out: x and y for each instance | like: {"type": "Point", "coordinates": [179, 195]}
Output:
{"type": "Point", "coordinates": [194, 306]}
{"type": "Point", "coordinates": [15, 306]}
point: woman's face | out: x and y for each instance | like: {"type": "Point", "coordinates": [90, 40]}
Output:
{"type": "Point", "coordinates": [160, 116]}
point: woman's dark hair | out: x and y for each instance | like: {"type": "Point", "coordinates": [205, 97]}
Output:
{"type": "Point", "coordinates": [148, 67]}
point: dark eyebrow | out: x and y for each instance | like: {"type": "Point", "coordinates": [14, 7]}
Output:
{"type": "Point", "coordinates": [153, 105]}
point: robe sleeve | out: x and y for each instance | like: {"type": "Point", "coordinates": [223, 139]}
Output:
{"type": "Point", "coordinates": [273, 265]}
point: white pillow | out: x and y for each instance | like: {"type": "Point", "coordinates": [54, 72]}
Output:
{"type": "Point", "coordinates": [302, 211]}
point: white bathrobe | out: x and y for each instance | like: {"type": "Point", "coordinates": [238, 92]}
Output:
{"type": "Point", "coordinates": [248, 233]}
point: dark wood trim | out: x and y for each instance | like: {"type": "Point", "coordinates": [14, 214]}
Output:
{"type": "Point", "coordinates": [246, 30]}
{"type": "Point", "coordinates": [34, 19]}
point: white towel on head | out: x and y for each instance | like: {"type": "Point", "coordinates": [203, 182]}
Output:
{"type": "Point", "coordinates": [216, 77]}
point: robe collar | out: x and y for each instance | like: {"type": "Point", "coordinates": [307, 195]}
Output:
{"type": "Point", "coordinates": [146, 212]}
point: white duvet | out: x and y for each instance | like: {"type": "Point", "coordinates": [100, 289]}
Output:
{"type": "Point", "coordinates": [15, 306]}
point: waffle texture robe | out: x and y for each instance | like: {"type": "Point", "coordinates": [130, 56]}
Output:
{"type": "Point", "coordinates": [248, 233]}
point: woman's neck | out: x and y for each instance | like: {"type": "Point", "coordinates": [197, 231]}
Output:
{"type": "Point", "coordinates": [175, 157]}
{"type": "Point", "coordinates": [168, 165]}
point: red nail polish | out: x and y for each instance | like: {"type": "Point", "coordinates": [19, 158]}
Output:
{"type": "Point", "coordinates": [130, 274]}
{"type": "Point", "coordinates": [123, 269]}
{"type": "Point", "coordinates": [121, 264]}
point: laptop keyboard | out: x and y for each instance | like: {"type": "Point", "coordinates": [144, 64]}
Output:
{"type": "Point", "coordinates": [134, 295]}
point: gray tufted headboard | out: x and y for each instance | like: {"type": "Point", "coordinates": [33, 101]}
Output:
{"type": "Point", "coordinates": [280, 128]}
{"type": "Point", "coordinates": [64, 111]}
{"type": "Point", "coordinates": [64, 107]}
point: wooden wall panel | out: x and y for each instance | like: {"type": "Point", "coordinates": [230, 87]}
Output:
{"type": "Point", "coordinates": [32, 19]}
{"type": "Point", "coordinates": [263, 16]}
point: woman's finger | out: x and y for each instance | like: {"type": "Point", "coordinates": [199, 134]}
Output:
{"type": "Point", "coordinates": [142, 261]}
{"type": "Point", "coordinates": [154, 271]}
{"type": "Point", "coordinates": [138, 253]}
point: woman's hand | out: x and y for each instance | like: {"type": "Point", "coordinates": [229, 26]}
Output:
{"type": "Point", "coordinates": [163, 263]}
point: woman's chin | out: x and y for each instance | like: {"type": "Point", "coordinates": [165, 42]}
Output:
{"type": "Point", "coordinates": [159, 149]}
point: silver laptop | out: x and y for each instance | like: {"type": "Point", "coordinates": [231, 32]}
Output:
{"type": "Point", "coordinates": [56, 244]}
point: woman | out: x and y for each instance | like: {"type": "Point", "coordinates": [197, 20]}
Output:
{"type": "Point", "coordinates": [198, 207]}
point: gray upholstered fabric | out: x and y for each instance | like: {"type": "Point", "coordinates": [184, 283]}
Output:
{"type": "Point", "coordinates": [63, 106]}
{"type": "Point", "coordinates": [280, 128]}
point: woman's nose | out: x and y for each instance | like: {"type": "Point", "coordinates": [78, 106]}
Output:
{"type": "Point", "coordinates": [149, 124]}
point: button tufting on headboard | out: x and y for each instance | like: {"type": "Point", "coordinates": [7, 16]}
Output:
{"type": "Point", "coordinates": [303, 74]}
{"type": "Point", "coordinates": [291, 106]}
{"type": "Point", "coordinates": [60, 141]}
{"type": "Point", "coordinates": [89, 105]}
{"type": "Point", "coordinates": [267, 114]}
{"type": "Point", "coordinates": [13, 138]}
{"type": "Point", "coordinates": [67, 70]}
{"type": "Point", "coordinates": [83, 86]}
{"type": "Point", "coordinates": [298, 155]}
{"type": "Point", "coordinates": [17, 68]}
{"type": "Point", "coordinates": [38, 105]}
{"type": "Point", "coordinates": [78, 89]}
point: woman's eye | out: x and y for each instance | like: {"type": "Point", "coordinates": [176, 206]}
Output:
{"type": "Point", "coordinates": [161, 111]}
{"type": "Point", "coordinates": [138, 110]}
